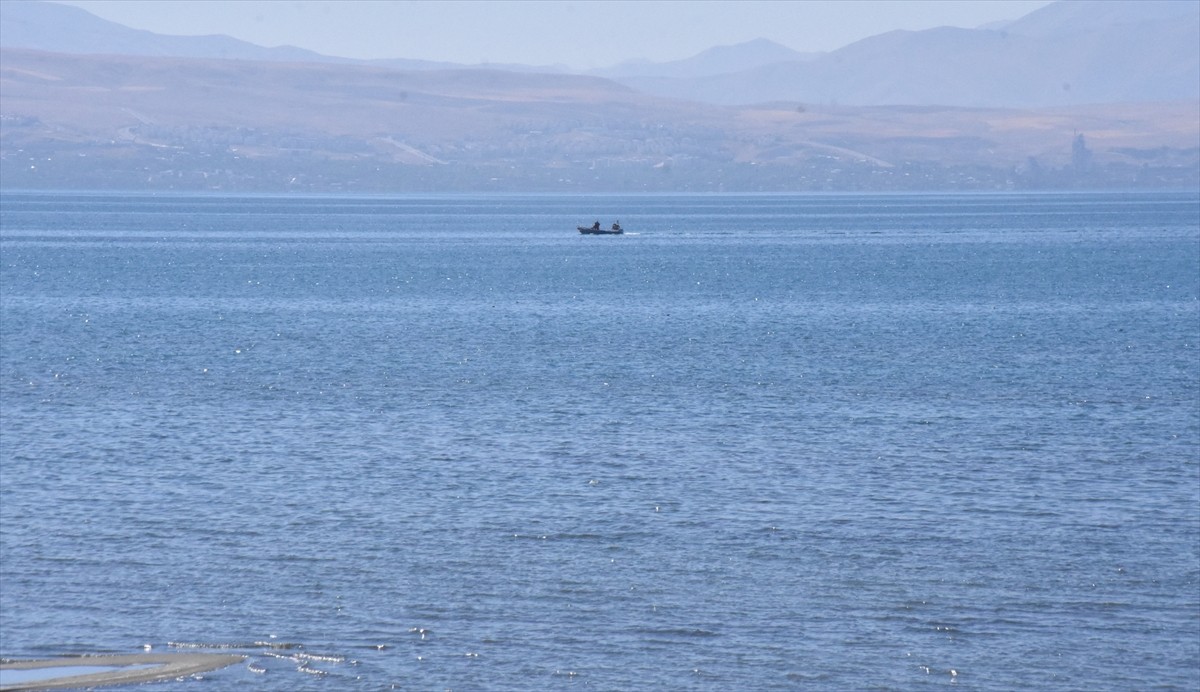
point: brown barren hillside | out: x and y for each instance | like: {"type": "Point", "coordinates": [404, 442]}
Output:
{"type": "Point", "coordinates": [1115, 133]}
{"type": "Point", "coordinates": [105, 121]}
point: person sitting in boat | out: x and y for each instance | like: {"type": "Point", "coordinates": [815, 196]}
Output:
{"type": "Point", "coordinates": [617, 226]}
{"type": "Point", "coordinates": [596, 226]}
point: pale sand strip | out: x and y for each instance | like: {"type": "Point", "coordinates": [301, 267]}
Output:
{"type": "Point", "coordinates": [172, 666]}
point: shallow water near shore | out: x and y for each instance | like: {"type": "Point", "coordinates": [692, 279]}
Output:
{"type": "Point", "coordinates": [758, 442]}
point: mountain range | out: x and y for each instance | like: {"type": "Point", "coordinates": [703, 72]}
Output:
{"type": "Point", "coordinates": [1081, 93]}
{"type": "Point", "coordinates": [1066, 53]}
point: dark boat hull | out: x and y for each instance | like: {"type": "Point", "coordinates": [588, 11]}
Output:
{"type": "Point", "coordinates": [598, 231]}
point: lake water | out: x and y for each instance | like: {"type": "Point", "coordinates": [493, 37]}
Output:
{"type": "Point", "coordinates": [758, 442]}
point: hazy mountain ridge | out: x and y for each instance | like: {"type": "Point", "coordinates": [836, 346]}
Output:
{"type": "Point", "coordinates": [1068, 52]}
{"type": "Point", "coordinates": [67, 29]}
{"type": "Point", "coordinates": [55, 28]}
{"type": "Point", "coordinates": [1077, 52]}
{"type": "Point", "coordinates": [315, 123]}
{"type": "Point", "coordinates": [1084, 16]}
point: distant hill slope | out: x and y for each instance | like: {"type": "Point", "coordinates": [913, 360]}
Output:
{"type": "Point", "coordinates": [1085, 16]}
{"type": "Point", "coordinates": [55, 28]}
{"type": "Point", "coordinates": [718, 60]}
{"type": "Point", "coordinates": [59, 28]}
{"type": "Point", "coordinates": [139, 122]}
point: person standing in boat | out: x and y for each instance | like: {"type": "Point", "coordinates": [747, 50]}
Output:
{"type": "Point", "coordinates": [596, 226]}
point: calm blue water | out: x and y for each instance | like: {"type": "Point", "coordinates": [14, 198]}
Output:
{"type": "Point", "coordinates": [842, 442]}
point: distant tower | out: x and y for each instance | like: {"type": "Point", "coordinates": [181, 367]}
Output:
{"type": "Point", "coordinates": [1081, 156]}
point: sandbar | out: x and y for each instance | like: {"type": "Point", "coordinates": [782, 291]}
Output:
{"type": "Point", "coordinates": [120, 669]}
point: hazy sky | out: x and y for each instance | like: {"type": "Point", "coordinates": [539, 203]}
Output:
{"type": "Point", "coordinates": [544, 32]}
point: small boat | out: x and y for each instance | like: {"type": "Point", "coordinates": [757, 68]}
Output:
{"type": "Point", "coordinates": [595, 229]}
